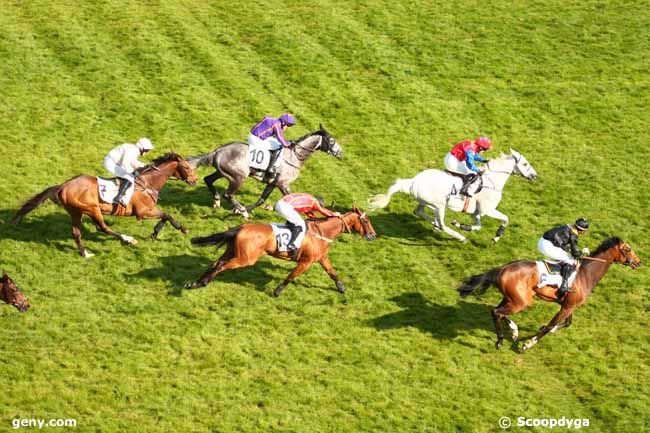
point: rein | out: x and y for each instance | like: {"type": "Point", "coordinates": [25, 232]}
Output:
{"type": "Point", "coordinates": [596, 259]}
{"type": "Point", "coordinates": [298, 156]}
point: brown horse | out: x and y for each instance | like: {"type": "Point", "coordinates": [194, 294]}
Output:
{"type": "Point", "coordinates": [11, 294]}
{"type": "Point", "coordinates": [246, 243]}
{"type": "Point", "coordinates": [517, 281]}
{"type": "Point", "coordinates": [80, 196]}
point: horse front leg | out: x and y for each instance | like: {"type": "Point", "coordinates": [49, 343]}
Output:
{"type": "Point", "coordinates": [470, 228]}
{"type": "Point", "coordinates": [155, 213]}
{"type": "Point", "coordinates": [504, 222]}
{"type": "Point", "coordinates": [327, 265]}
{"type": "Point", "coordinates": [265, 194]}
{"type": "Point", "coordinates": [563, 314]}
{"type": "Point", "coordinates": [302, 267]}
{"type": "Point", "coordinates": [98, 219]}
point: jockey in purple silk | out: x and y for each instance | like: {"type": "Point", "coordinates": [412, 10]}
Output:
{"type": "Point", "coordinates": [271, 131]}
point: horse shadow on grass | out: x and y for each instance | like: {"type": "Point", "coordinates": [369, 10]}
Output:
{"type": "Point", "coordinates": [441, 321]}
{"type": "Point", "coordinates": [180, 269]}
{"type": "Point", "coordinates": [411, 228]}
{"type": "Point", "coordinates": [50, 229]}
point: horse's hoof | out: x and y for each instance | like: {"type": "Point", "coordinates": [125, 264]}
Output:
{"type": "Point", "coordinates": [278, 291]}
{"type": "Point", "coordinates": [190, 285]}
{"type": "Point", "coordinates": [87, 254]}
{"type": "Point", "coordinates": [455, 223]}
{"type": "Point", "coordinates": [498, 344]}
{"type": "Point", "coordinates": [184, 230]}
{"type": "Point", "coordinates": [340, 287]}
{"type": "Point", "coordinates": [267, 207]}
{"type": "Point", "coordinates": [496, 239]}
{"type": "Point", "coordinates": [216, 204]}
{"type": "Point", "coordinates": [463, 241]}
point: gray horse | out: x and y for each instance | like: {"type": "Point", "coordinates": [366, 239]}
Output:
{"type": "Point", "coordinates": [231, 162]}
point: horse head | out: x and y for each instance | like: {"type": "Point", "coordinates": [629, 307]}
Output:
{"type": "Point", "coordinates": [182, 170]}
{"type": "Point", "coordinates": [362, 225]}
{"type": "Point", "coordinates": [11, 294]}
{"type": "Point", "coordinates": [522, 166]}
{"type": "Point", "coordinates": [627, 256]}
{"type": "Point", "coordinates": [329, 143]}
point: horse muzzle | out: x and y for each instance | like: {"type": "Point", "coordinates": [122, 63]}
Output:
{"type": "Point", "coordinates": [370, 236]}
{"type": "Point", "coordinates": [22, 307]}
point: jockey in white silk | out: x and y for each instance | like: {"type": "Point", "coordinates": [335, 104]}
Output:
{"type": "Point", "coordinates": [122, 162]}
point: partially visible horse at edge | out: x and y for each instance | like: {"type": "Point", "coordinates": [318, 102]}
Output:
{"type": "Point", "coordinates": [80, 196]}
{"type": "Point", "coordinates": [518, 280]}
{"type": "Point", "coordinates": [231, 162]}
{"type": "Point", "coordinates": [434, 189]}
{"type": "Point", "coordinates": [11, 293]}
{"type": "Point", "coordinates": [246, 243]}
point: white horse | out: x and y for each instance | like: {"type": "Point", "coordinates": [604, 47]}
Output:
{"type": "Point", "coordinates": [437, 190]}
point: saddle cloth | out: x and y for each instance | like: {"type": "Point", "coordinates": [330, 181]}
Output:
{"type": "Point", "coordinates": [549, 274]}
{"type": "Point", "coordinates": [108, 188]}
{"type": "Point", "coordinates": [283, 234]}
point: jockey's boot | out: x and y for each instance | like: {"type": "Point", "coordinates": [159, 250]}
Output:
{"type": "Point", "coordinates": [295, 232]}
{"type": "Point", "coordinates": [271, 170]}
{"type": "Point", "coordinates": [468, 181]}
{"type": "Point", "coordinates": [124, 185]}
{"type": "Point", "coordinates": [566, 271]}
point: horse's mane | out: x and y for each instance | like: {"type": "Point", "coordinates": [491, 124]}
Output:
{"type": "Point", "coordinates": [606, 245]}
{"type": "Point", "coordinates": [309, 134]}
{"type": "Point", "coordinates": [166, 157]}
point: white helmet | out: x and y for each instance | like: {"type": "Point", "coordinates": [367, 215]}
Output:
{"type": "Point", "coordinates": [144, 144]}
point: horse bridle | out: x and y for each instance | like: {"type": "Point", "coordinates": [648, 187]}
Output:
{"type": "Point", "coordinates": [628, 260]}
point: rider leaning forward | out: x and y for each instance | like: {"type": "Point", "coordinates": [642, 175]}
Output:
{"type": "Point", "coordinates": [292, 205]}
{"type": "Point", "coordinates": [123, 161]}
{"type": "Point", "coordinates": [271, 131]}
{"type": "Point", "coordinates": [462, 158]}
{"type": "Point", "coordinates": [555, 243]}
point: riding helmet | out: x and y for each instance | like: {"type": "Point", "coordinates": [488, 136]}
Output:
{"type": "Point", "coordinates": [582, 224]}
{"type": "Point", "coordinates": [483, 142]}
{"type": "Point", "coordinates": [288, 119]}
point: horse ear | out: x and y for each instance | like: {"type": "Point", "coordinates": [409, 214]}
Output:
{"type": "Point", "coordinates": [5, 276]}
{"type": "Point", "coordinates": [320, 125]}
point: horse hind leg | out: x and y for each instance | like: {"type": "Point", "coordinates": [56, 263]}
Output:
{"type": "Point", "coordinates": [420, 211]}
{"type": "Point", "coordinates": [209, 181]}
{"type": "Point", "coordinates": [440, 216]}
{"type": "Point", "coordinates": [76, 217]}
{"type": "Point", "coordinates": [227, 261]}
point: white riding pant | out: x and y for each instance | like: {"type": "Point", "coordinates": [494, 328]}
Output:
{"type": "Point", "coordinates": [271, 143]}
{"type": "Point", "coordinates": [117, 170]}
{"type": "Point", "coordinates": [290, 214]}
{"type": "Point", "coordinates": [455, 166]}
{"type": "Point", "coordinates": [547, 248]}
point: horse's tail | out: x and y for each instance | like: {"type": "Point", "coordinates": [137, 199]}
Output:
{"type": "Point", "coordinates": [381, 200]}
{"type": "Point", "coordinates": [34, 202]}
{"type": "Point", "coordinates": [204, 159]}
{"type": "Point", "coordinates": [217, 239]}
{"type": "Point", "coordinates": [477, 285]}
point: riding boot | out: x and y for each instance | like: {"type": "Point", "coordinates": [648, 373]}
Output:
{"type": "Point", "coordinates": [469, 180]}
{"type": "Point", "coordinates": [295, 232]}
{"type": "Point", "coordinates": [124, 186]}
{"type": "Point", "coordinates": [271, 170]}
{"type": "Point", "coordinates": [566, 272]}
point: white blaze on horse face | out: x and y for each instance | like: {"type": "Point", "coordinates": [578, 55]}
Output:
{"type": "Point", "coordinates": [523, 166]}
{"type": "Point", "coordinates": [336, 150]}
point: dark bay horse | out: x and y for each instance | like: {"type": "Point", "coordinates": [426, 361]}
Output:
{"type": "Point", "coordinates": [231, 162]}
{"type": "Point", "coordinates": [248, 242]}
{"type": "Point", "coordinates": [517, 281]}
{"type": "Point", "coordinates": [80, 196]}
{"type": "Point", "coordinates": [11, 294]}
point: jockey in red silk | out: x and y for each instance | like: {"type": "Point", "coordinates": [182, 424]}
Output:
{"type": "Point", "coordinates": [272, 130]}
{"type": "Point", "coordinates": [292, 205]}
{"type": "Point", "coordinates": [462, 157]}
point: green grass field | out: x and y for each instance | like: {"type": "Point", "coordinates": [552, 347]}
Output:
{"type": "Point", "coordinates": [114, 343]}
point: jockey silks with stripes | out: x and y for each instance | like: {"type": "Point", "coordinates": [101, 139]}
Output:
{"type": "Point", "coordinates": [123, 162]}
{"type": "Point", "coordinates": [271, 130]}
{"type": "Point", "coordinates": [462, 159]}
{"type": "Point", "coordinates": [557, 241]}
{"type": "Point", "coordinates": [292, 205]}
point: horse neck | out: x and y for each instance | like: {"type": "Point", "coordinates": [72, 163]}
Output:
{"type": "Point", "coordinates": [156, 177]}
{"type": "Point", "coordinates": [332, 227]}
{"type": "Point", "coordinates": [594, 270]}
{"type": "Point", "coordinates": [304, 149]}
{"type": "Point", "coordinates": [498, 176]}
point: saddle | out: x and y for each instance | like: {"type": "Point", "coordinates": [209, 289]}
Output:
{"type": "Point", "coordinates": [283, 234]}
{"type": "Point", "coordinates": [549, 273]}
{"type": "Point", "coordinates": [475, 188]}
{"type": "Point", "coordinates": [108, 187]}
